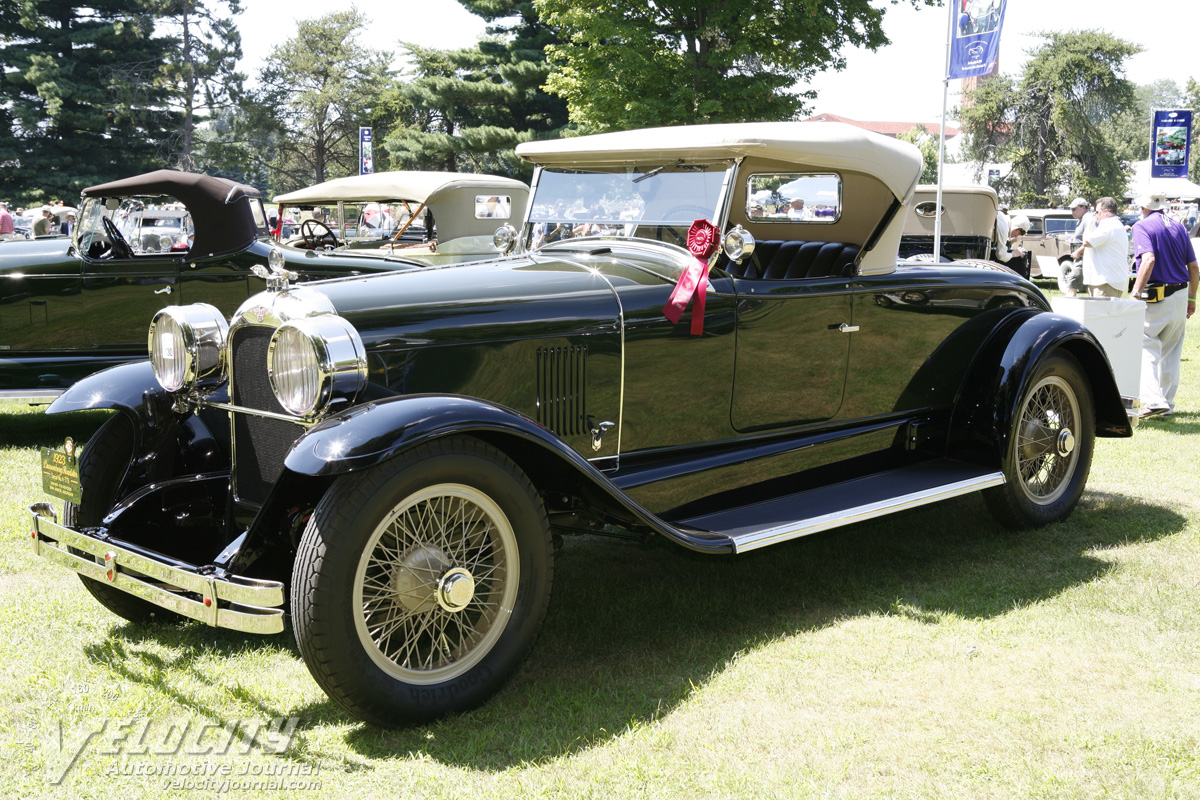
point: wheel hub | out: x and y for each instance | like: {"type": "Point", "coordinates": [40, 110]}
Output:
{"type": "Point", "coordinates": [415, 578]}
{"type": "Point", "coordinates": [1066, 442]}
{"type": "Point", "coordinates": [456, 590]}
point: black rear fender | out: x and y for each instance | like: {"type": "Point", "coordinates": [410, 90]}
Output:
{"type": "Point", "coordinates": [982, 420]}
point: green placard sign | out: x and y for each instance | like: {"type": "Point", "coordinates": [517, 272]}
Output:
{"type": "Point", "coordinates": [60, 473]}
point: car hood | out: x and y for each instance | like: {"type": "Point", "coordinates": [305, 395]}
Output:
{"type": "Point", "coordinates": [544, 294]}
{"type": "Point", "coordinates": [17, 254]}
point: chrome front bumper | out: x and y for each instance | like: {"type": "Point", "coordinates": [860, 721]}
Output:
{"type": "Point", "coordinates": [1133, 407]}
{"type": "Point", "coordinates": [241, 604]}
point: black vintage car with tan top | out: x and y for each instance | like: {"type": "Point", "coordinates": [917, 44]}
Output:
{"type": "Point", "coordinates": [674, 345]}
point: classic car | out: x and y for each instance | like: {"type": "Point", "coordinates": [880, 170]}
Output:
{"type": "Point", "coordinates": [72, 305]}
{"type": "Point", "coordinates": [1048, 239]}
{"type": "Point", "coordinates": [968, 225]}
{"type": "Point", "coordinates": [390, 458]}
{"type": "Point", "coordinates": [435, 217]}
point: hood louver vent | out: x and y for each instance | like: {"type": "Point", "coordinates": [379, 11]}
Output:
{"type": "Point", "coordinates": [562, 389]}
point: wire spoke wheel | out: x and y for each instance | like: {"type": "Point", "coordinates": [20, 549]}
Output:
{"type": "Point", "coordinates": [1046, 444]}
{"type": "Point", "coordinates": [436, 584]}
{"type": "Point", "coordinates": [1049, 452]}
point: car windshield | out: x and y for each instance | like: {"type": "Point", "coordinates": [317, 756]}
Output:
{"type": "Point", "coordinates": [655, 202]}
{"type": "Point", "coordinates": [1060, 224]}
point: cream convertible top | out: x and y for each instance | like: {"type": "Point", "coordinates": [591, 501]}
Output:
{"type": "Point", "coordinates": [450, 196]}
{"type": "Point", "coordinates": [831, 145]}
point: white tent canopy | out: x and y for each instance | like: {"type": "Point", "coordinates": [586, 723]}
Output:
{"type": "Point", "coordinates": [1173, 188]}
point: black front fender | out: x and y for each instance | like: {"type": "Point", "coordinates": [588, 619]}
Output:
{"type": "Point", "coordinates": [166, 444]}
{"type": "Point", "coordinates": [371, 434]}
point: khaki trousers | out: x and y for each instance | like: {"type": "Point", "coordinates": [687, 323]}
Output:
{"type": "Point", "coordinates": [1104, 290]}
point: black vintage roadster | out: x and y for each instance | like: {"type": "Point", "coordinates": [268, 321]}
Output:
{"type": "Point", "coordinates": [699, 333]}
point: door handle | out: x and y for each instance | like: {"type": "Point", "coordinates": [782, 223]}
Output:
{"type": "Point", "coordinates": [844, 328]}
{"type": "Point", "coordinates": [163, 290]}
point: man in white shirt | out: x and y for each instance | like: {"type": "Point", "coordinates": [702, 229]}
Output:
{"type": "Point", "coordinates": [1105, 252]}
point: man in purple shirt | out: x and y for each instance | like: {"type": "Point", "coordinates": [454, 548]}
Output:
{"type": "Point", "coordinates": [1167, 278]}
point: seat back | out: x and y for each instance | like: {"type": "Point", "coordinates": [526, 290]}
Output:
{"type": "Point", "coordinates": [781, 260]}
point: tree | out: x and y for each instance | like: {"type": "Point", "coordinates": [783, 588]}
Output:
{"type": "Point", "coordinates": [318, 88]}
{"type": "Point", "coordinates": [928, 145]}
{"type": "Point", "coordinates": [201, 68]}
{"type": "Point", "coordinates": [632, 64]}
{"type": "Point", "coordinates": [1050, 123]}
{"type": "Point", "coordinates": [471, 107]}
{"type": "Point", "coordinates": [83, 95]}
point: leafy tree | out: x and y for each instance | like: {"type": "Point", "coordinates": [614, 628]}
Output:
{"type": "Point", "coordinates": [471, 107]}
{"type": "Point", "coordinates": [928, 145]}
{"type": "Point", "coordinates": [318, 88]}
{"type": "Point", "coordinates": [1191, 99]}
{"type": "Point", "coordinates": [632, 64]}
{"type": "Point", "coordinates": [83, 95]}
{"type": "Point", "coordinates": [1049, 122]}
{"type": "Point", "coordinates": [201, 67]}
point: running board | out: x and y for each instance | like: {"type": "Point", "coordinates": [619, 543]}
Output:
{"type": "Point", "coordinates": [761, 524]}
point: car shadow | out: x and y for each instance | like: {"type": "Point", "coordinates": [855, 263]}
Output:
{"type": "Point", "coordinates": [634, 629]}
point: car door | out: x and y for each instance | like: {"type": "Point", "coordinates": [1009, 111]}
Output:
{"type": "Point", "coordinates": [793, 349]}
{"type": "Point", "coordinates": [121, 295]}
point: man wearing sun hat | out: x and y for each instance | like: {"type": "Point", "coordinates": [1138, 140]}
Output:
{"type": "Point", "coordinates": [1167, 279]}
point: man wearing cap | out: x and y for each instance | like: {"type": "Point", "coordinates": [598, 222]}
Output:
{"type": "Point", "coordinates": [1167, 278]}
{"type": "Point", "coordinates": [68, 225]}
{"type": "Point", "coordinates": [7, 230]}
{"type": "Point", "coordinates": [42, 226]}
{"type": "Point", "coordinates": [1079, 210]}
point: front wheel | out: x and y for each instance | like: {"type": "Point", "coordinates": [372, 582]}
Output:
{"type": "Point", "coordinates": [1050, 448]}
{"type": "Point", "coordinates": [420, 585]}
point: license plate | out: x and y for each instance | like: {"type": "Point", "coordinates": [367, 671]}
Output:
{"type": "Point", "coordinates": [60, 475]}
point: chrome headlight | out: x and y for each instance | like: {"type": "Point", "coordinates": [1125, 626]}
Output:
{"type": "Point", "coordinates": [311, 361]}
{"type": "Point", "coordinates": [187, 344]}
{"type": "Point", "coordinates": [164, 243]}
{"type": "Point", "coordinates": [505, 238]}
{"type": "Point", "coordinates": [738, 244]}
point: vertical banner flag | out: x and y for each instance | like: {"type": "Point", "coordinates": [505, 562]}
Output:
{"type": "Point", "coordinates": [976, 43]}
{"type": "Point", "coordinates": [1170, 143]}
{"type": "Point", "coordinates": [366, 153]}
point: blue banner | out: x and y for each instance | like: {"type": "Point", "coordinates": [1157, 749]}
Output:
{"type": "Point", "coordinates": [976, 43]}
{"type": "Point", "coordinates": [1171, 144]}
{"type": "Point", "coordinates": [366, 152]}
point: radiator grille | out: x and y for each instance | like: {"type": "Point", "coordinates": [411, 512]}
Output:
{"type": "Point", "coordinates": [259, 444]}
{"type": "Point", "coordinates": [562, 389]}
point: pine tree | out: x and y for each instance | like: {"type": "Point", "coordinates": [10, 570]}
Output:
{"type": "Point", "coordinates": [88, 103]}
{"type": "Point", "coordinates": [471, 107]}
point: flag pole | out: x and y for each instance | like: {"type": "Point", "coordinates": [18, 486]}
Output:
{"type": "Point", "coordinates": [937, 220]}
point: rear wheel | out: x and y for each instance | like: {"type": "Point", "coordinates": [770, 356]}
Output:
{"type": "Point", "coordinates": [1050, 448]}
{"type": "Point", "coordinates": [420, 585]}
{"type": "Point", "coordinates": [102, 464]}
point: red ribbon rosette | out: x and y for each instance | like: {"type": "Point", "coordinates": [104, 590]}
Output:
{"type": "Point", "coordinates": [702, 243]}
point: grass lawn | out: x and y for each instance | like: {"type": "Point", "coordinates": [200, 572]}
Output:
{"type": "Point", "coordinates": [930, 654]}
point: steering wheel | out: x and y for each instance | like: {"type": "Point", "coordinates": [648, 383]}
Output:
{"type": "Point", "coordinates": [120, 247]}
{"type": "Point", "coordinates": [313, 238]}
{"type": "Point", "coordinates": [695, 212]}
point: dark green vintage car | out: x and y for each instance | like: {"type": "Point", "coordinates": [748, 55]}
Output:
{"type": "Point", "coordinates": [390, 458]}
{"type": "Point", "coordinates": [70, 306]}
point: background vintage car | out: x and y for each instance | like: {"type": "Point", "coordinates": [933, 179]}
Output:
{"type": "Point", "coordinates": [1048, 238]}
{"type": "Point", "coordinates": [72, 305]}
{"type": "Point", "coordinates": [968, 225]}
{"type": "Point", "coordinates": [434, 217]}
{"type": "Point", "coordinates": [391, 457]}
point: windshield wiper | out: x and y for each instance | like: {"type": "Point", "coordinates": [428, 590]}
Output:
{"type": "Point", "coordinates": [649, 174]}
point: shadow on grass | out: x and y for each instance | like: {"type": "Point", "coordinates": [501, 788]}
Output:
{"type": "Point", "coordinates": [633, 629]}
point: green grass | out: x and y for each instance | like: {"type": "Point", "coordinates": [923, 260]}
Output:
{"type": "Point", "coordinates": [929, 654]}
